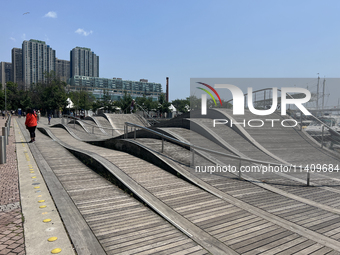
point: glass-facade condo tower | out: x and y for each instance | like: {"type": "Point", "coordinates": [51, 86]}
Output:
{"type": "Point", "coordinates": [84, 62]}
{"type": "Point", "coordinates": [38, 59]}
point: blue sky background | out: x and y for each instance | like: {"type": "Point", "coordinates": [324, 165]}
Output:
{"type": "Point", "coordinates": [185, 39]}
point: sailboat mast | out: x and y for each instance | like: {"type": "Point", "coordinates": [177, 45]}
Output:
{"type": "Point", "coordinates": [317, 96]}
{"type": "Point", "coordinates": [323, 95]}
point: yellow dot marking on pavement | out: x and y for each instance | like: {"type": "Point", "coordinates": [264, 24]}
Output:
{"type": "Point", "coordinates": [52, 239]}
{"type": "Point", "coordinates": [57, 250]}
{"type": "Point", "coordinates": [39, 196]}
{"type": "Point", "coordinates": [42, 206]}
{"type": "Point", "coordinates": [33, 177]}
{"type": "Point", "coordinates": [41, 201]}
{"type": "Point", "coordinates": [32, 172]}
{"type": "Point", "coordinates": [44, 213]}
{"type": "Point", "coordinates": [37, 187]}
{"type": "Point", "coordinates": [46, 220]}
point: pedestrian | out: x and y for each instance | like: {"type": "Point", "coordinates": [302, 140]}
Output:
{"type": "Point", "coordinates": [3, 114]}
{"type": "Point", "coordinates": [132, 105]}
{"type": "Point", "coordinates": [31, 123]}
{"type": "Point", "coordinates": [38, 115]}
{"type": "Point", "coordinates": [49, 118]}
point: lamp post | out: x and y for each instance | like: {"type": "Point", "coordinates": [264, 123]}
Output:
{"type": "Point", "coordinates": [5, 99]}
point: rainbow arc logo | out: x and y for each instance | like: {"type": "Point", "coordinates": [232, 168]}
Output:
{"type": "Point", "coordinates": [209, 93]}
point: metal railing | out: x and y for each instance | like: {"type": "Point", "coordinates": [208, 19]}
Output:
{"type": "Point", "coordinates": [150, 119]}
{"type": "Point", "coordinates": [197, 149]}
{"type": "Point", "coordinates": [65, 119]}
{"type": "Point", "coordinates": [4, 139]}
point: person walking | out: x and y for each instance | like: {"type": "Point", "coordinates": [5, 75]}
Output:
{"type": "Point", "coordinates": [38, 115]}
{"type": "Point", "coordinates": [132, 105]}
{"type": "Point", "coordinates": [31, 123]}
{"type": "Point", "coordinates": [49, 118]}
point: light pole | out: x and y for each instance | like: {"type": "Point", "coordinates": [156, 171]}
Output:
{"type": "Point", "coordinates": [5, 99]}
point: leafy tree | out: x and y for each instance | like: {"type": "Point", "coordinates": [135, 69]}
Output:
{"type": "Point", "coordinates": [2, 98]}
{"type": "Point", "coordinates": [147, 103]}
{"type": "Point", "coordinates": [163, 104]}
{"type": "Point", "coordinates": [50, 94]}
{"type": "Point", "coordinates": [82, 99]}
{"type": "Point", "coordinates": [124, 103]}
{"type": "Point", "coordinates": [181, 105]}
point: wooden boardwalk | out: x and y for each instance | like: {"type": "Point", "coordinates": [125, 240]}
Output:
{"type": "Point", "coordinates": [121, 223]}
{"type": "Point", "coordinates": [246, 217]}
{"type": "Point", "coordinates": [240, 230]}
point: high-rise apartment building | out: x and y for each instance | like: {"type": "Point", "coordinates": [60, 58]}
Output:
{"type": "Point", "coordinates": [84, 62]}
{"type": "Point", "coordinates": [17, 67]}
{"type": "Point", "coordinates": [62, 69]}
{"type": "Point", "coordinates": [5, 73]}
{"type": "Point", "coordinates": [38, 59]}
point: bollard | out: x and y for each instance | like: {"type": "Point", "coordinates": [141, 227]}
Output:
{"type": "Point", "coordinates": [2, 150]}
{"type": "Point", "coordinates": [5, 134]}
{"type": "Point", "coordinates": [7, 126]}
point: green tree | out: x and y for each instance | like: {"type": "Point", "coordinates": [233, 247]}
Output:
{"type": "Point", "coordinates": [163, 104]}
{"type": "Point", "coordinates": [82, 99]}
{"type": "Point", "coordinates": [2, 98]}
{"type": "Point", "coordinates": [147, 103]}
{"type": "Point", "coordinates": [181, 105]}
{"type": "Point", "coordinates": [124, 103]}
{"type": "Point", "coordinates": [50, 94]}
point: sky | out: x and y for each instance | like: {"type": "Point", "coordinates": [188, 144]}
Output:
{"type": "Point", "coordinates": [155, 39]}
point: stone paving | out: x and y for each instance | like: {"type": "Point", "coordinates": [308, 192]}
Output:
{"type": "Point", "coordinates": [11, 221]}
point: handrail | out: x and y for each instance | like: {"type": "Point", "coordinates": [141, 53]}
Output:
{"type": "Point", "coordinates": [203, 149]}
{"type": "Point", "coordinates": [194, 147]}
{"type": "Point", "coordinates": [147, 113]}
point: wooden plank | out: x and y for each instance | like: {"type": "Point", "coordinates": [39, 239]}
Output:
{"type": "Point", "coordinates": [324, 224]}
{"type": "Point", "coordinates": [310, 249]}
{"type": "Point", "coordinates": [196, 250]}
{"type": "Point", "coordinates": [260, 240]}
{"type": "Point", "coordinates": [236, 228]}
{"type": "Point", "coordinates": [149, 247]}
{"type": "Point", "coordinates": [133, 236]}
{"type": "Point", "coordinates": [272, 245]}
{"type": "Point", "coordinates": [297, 248]}
{"type": "Point", "coordinates": [232, 224]}
{"type": "Point", "coordinates": [242, 237]}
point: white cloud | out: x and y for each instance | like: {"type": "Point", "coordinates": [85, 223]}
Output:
{"type": "Point", "coordinates": [13, 39]}
{"type": "Point", "coordinates": [23, 37]}
{"type": "Point", "coordinates": [83, 32]}
{"type": "Point", "coordinates": [51, 15]}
